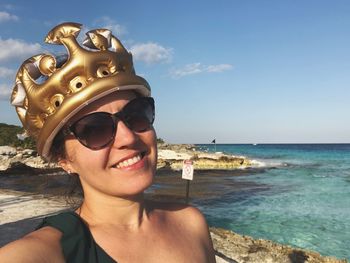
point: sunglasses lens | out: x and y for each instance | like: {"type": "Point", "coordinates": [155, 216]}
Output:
{"type": "Point", "coordinates": [138, 115]}
{"type": "Point", "coordinates": [95, 130]}
{"type": "Point", "coordinates": [138, 123]}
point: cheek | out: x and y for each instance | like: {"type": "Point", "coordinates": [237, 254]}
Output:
{"type": "Point", "coordinates": [80, 157]}
{"type": "Point", "coordinates": [151, 141]}
{"type": "Point", "coordinates": [150, 138]}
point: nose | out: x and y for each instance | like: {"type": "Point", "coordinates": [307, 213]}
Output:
{"type": "Point", "coordinates": [124, 137]}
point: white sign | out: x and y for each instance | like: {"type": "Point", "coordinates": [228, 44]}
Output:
{"type": "Point", "coordinates": [187, 170]}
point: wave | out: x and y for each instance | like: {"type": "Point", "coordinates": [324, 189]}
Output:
{"type": "Point", "coordinates": [259, 163]}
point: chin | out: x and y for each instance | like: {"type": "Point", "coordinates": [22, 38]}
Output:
{"type": "Point", "coordinates": [137, 187]}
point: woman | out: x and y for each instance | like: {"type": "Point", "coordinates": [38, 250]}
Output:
{"type": "Point", "coordinates": [92, 114]}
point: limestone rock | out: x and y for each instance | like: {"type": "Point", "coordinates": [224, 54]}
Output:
{"type": "Point", "coordinates": [171, 159]}
{"type": "Point", "coordinates": [170, 156]}
{"type": "Point", "coordinates": [10, 158]}
{"type": "Point", "coordinates": [8, 150]}
{"type": "Point", "coordinates": [244, 249]}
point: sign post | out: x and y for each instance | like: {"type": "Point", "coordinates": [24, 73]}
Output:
{"type": "Point", "coordinates": [187, 174]}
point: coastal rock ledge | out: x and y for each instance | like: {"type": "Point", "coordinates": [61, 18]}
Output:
{"type": "Point", "coordinates": [11, 157]}
{"type": "Point", "coordinates": [170, 156]}
{"type": "Point", "coordinates": [235, 248]}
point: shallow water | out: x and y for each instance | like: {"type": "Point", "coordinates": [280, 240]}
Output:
{"type": "Point", "coordinates": [302, 198]}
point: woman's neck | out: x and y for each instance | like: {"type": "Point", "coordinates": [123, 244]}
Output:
{"type": "Point", "coordinates": [125, 213]}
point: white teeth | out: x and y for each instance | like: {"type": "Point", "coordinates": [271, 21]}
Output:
{"type": "Point", "coordinates": [129, 162]}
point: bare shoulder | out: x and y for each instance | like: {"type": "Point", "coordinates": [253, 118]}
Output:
{"type": "Point", "coordinates": [184, 218]}
{"type": "Point", "coordinates": [188, 221]}
{"type": "Point", "coordinates": [177, 212]}
{"type": "Point", "coordinates": [42, 245]}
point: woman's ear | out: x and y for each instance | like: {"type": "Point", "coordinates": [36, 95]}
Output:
{"type": "Point", "coordinates": [66, 165]}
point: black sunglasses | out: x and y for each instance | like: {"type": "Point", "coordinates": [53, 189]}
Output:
{"type": "Point", "coordinates": [97, 130]}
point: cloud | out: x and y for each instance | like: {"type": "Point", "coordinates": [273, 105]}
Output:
{"type": "Point", "coordinates": [17, 49]}
{"type": "Point", "coordinates": [188, 69]}
{"type": "Point", "coordinates": [219, 68]}
{"type": "Point", "coordinates": [4, 17]}
{"type": "Point", "coordinates": [151, 53]}
{"type": "Point", "coordinates": [5, 92]}
{"type": "Point", "coordinates": [196, 68]}
{"type": "Point", "coordinates": [6, 72]}
{"type": "Point", "coordinates": [107, 22]}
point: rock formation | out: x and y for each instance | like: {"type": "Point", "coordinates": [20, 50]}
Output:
{"type": "Point", "coordinates": [169, 157]}
{"type": "Point", "coordinates": [11, 157]}
{"type": "Point", "coordinates": [244, 249]}
{"type": "Point", "coordinates": [172, 156]}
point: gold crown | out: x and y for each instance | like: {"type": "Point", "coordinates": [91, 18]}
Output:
{"type": "Point", "coordinates": [48, 93]}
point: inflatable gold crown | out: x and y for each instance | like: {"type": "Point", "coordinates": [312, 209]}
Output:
{"type": "Point", "coordinates": [49, 90]}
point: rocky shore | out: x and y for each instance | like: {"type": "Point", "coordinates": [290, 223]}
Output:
{"type": "Point", "coordinates": [232, 247]}
{"type": "Point", "coordinates": [172, 156]}
{"type": "Point", "coordinates": [16, 165]}
{"type": "Point", "coordinates": [169, 157]}
{"type": "Point", "coordinates": [11, 157]}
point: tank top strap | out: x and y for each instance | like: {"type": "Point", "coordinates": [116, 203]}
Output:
{"type": "Point", "coordinates": [78, 245]}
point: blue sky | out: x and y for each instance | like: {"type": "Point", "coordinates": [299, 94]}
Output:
{"type": "Point", "coordinates": [239, 71]}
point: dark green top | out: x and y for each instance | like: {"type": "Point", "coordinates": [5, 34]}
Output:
{"type": "Point", "coordinates": [77, 243]}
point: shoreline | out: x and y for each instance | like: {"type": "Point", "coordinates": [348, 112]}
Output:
{"type": "Point", "coordinates": [169, 157]}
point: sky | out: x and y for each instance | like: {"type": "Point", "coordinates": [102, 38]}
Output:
{"type": "Point", "coordinates": [239, 71]}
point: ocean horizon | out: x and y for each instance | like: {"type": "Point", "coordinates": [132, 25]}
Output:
{"type": "Point", "coordinates": [298, 195]}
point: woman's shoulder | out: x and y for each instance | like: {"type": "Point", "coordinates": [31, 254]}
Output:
{"type": "Point", "coordinates": [186, 221]}
{"type": "Point", "coordinates": [186, 215]}
{"type": "Point", "coordinates": [42, 245]}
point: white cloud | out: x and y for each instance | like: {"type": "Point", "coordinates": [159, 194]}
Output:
{"type": "Point", "coordinates": [219, 68]}
{"type": "Point", "coordinates": [4, 17]}
{"type": "Point", "coordinates": [107, 22]}
{"type": "Point", "coordinates": [6, 72]}
{"type": "Point", "coordinates": [188, 69]}
{"type": "Point", "coordinates": [17, 49]}
{"type": "Point", "coordinates": [196, 68]}
{"type": "Point", "coordinates": [151, 53]}
{"type": "Point", "coordinates": [5, 92]}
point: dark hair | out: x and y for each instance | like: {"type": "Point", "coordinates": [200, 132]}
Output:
{"type": "Point", "coordinates": [58, 149]}
{"type": "Point", "coordinates": [74, 192]}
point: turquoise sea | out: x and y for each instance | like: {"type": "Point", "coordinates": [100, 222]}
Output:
{"type": "Point", "coordinates": [299, 196]}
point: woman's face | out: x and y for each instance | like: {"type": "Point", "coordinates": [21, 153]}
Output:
{"type": "Point", "coordinates": [125, 167]}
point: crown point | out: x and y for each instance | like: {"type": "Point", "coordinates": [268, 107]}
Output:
{"type": "Point", "coordinates": [18, 95]}
{"type": "Point", "coordinates": [47, 65]}
{"type": "Point", "coordinates": [62, 31]}
{"type": "Point", "coordinates": [30, 67]}
{"type": "Point", "coordinates": [98, 39]}
{"type": "Point", "coordinates": [117, 46]}
{"type": "Point", "coordinates": [21, 113]}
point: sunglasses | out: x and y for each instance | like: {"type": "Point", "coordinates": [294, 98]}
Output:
{"type": "Point", "coordinates": [98, 129]}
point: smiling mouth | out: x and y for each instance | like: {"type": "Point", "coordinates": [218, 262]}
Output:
{"type": "Point", "coordinates": [130, 161]}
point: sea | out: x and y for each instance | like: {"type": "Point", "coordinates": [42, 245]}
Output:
{"type": "Point", "coordinates": [298, 194]}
